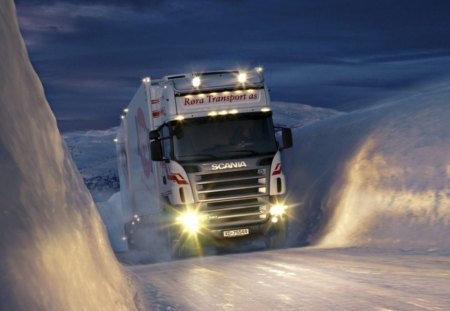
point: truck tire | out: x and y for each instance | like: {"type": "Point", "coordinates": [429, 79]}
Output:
{"type": "Point", "coordinates": [179, 246]}
{"type": "Point", "coordinates": [276, 237]}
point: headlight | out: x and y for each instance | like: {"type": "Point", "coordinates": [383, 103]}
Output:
{"type": "Point", "coordinates": [277, 210]}
{"type": "Point", "coordinates": [190, 221]}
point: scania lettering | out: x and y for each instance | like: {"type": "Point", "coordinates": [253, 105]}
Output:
{"type": "Point", "coordinates": [224, 166]}
{"type": "Point", "coordinates": [199, 160]}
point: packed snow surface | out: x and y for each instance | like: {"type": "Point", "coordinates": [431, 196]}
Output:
{"type": "Point", "coordinates": [376, 177]}
{"type": "Point", "coordinates": [300, 279]}
{"type": "Point", "coordinates": [54, 250]}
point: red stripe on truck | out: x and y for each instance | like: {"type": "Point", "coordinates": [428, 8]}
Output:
{"type": "Point", "coordinates": [177, 178]}
{"type": "Point", "coordinates": [277, 170]}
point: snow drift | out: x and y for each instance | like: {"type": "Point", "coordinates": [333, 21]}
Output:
{"type": "Point", "coordinates": [54, 250]}
{"type": "Point", "coordinates": [378, 177]}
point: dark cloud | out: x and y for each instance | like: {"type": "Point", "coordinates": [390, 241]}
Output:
{"type": "Point", "coordinates": [91, 55]}
{"type": "Point", "coordinates": [135, 4]}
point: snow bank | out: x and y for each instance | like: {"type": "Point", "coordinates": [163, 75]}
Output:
{"type": "Point", "coordinates": [378, 177]}
{"type": "Point", "coordinates": [54, 250]}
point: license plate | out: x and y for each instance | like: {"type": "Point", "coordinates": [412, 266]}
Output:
{"type": "Point", "coordinates": [234, 233]}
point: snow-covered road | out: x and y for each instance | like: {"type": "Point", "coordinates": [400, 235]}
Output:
{"type": "Point", "coordinates": [300, 279]}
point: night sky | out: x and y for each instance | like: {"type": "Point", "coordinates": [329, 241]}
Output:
{"type": "Point", "coordinates": [346, 55]}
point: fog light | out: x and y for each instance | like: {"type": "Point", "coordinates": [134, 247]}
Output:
{"type": "Point", "coordinates": [277, 210]}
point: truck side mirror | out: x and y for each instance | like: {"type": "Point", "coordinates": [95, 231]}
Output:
{"type": "Point", "coordinates": [286, 134]}
{"type": "Point", "coordinates": [156, 150]}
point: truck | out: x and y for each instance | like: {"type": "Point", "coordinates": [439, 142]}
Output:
{"type": "Point", "coordinates": [199, 158]}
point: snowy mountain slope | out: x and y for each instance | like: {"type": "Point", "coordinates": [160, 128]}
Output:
{"type": "Point", "coordinates": [54, 251]}
{"type": "Point", "coordinates": [299, 115]}
{"type": "Point", "coordinates": [95, 154]}
{"type": "Point", "coordinates": [377, 177]}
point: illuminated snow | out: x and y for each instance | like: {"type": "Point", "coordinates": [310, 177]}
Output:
{"type": "Point", "coordinates": [377, 177]}
{"type": "Point", "coordinates": [53, 246]}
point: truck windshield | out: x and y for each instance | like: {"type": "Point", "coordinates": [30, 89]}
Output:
{"type": "Point", "coordinates": [223, 137]}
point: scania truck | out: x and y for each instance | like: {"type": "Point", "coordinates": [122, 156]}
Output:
{"type": "Point", "coordinates": [200, 158]}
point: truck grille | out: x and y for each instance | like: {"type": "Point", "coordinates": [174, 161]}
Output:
{"type": "Point", "coordinates": [233, 198]}
{"type": "Point", "coordinates": [231, 185]}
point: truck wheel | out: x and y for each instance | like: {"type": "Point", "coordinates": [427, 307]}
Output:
{"type": "Point", "coordinates": [276, 237]}
{"type": "Point", "coordinates": [177, 245]}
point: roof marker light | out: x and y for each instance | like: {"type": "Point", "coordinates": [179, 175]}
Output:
{"type": "Point", "coordinates": [125, 110]}
{"type": "Point", "coordinates": [179, 117]}
{"type": "Point", "coordinates": [265, 109]}
{"type": "Point", "coordinates": [242, 77]}
{"type": "Point", "coordinates": [146, 80]}
{"type": "Point", "coordinates": [212, 113]}
{"type": "Point", "coordinates": [233, 111]}
{"type": "Point", "coordinates": [223, 112]}
{"type": "Point", "coordinates": [196, 81]}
